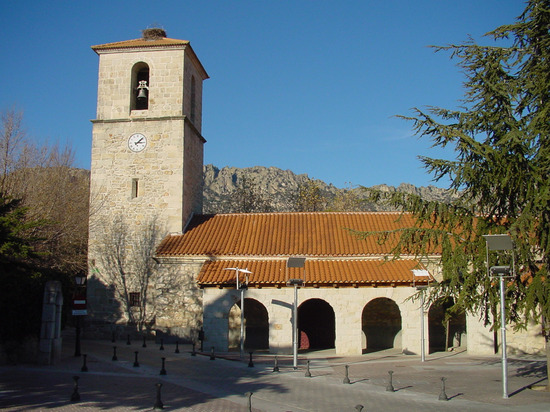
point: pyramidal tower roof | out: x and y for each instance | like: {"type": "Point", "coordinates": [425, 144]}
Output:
{"type": "Point", "coordinates": [154, 37]}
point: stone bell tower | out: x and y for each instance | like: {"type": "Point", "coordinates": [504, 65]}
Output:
{"type": "Point", "coordinates": [147, 147]}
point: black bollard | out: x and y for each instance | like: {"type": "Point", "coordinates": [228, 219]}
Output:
{"type": "Point", "coordinates": [249, 394]}
{"type": "Point", "coordinates": [163, 370]}
{"type": "Point", "coordinates": [128, 340]}
{"type": "Point", "coordinates": [194, 352]}
{"type": "Point", "coordinates": [161, 344]}
{"type": "Point", "coordinates": [346, 376]}
{"type": "Point", "coordinates": [114, 354]}
{"type": "Point", "coordinates": [212, 355]}
{"type": "Point", "coordinates": [177, 347]}
{"type": "Point", "coordinates": [442, 394]}
{"type": "Point", "coordinates": [389, 387]}
{"type": "Point", "coordinates": [75, 397]}
{"type": "Point", "coordinates": [250, 363]}
{"type": "Point", "coordinates": [276, 366]}
{"type": "Point", "coordinates": [84, 366]}
{"type": "Point", "coordinates": [158, 402]}
{"type": "Point", "coordinates": [144, 342]}
{"type": "Point", "coordinates": [136, 363]}
{"type": "Point", "coordinates": [359, 407]}
{"type": "Point", "coordinates": [308, 373]}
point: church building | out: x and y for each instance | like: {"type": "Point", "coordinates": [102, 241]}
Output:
{"type": "Point", "coordinates": [261, 281]}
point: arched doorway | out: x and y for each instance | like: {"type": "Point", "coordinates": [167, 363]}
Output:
{"type": "Point", "coordinates": [445, 330]}
{"type": "Point", "coordinates": [381, 324]}
{"type": "Point", "coordinates": [256, 325]}
{"type": "Point", "coordinates": [316, 325]}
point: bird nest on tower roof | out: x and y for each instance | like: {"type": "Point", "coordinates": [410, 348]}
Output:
{"type": "Point", "coordinates": [153, 34]}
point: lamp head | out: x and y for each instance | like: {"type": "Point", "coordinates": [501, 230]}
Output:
{"type": "Point", "coordinates": [500, 270]}
{"type": "Point", "coordinates": [499, 242]}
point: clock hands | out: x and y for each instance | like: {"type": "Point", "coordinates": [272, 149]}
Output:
{"type": "Point", "coordinates": [137, 142]}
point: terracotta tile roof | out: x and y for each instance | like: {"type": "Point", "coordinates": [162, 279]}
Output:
{"type": "Point", "coordinates": [161, 42]}
{"type": "Point", "coordinates": [333, 272]}
{"type": "Point", "coordinates": [283, 234]}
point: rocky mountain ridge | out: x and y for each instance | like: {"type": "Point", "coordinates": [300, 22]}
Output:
{"type": "Point", "coordinates": [280, 186]}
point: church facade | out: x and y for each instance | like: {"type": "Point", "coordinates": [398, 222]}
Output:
{"type": "Point", "coordinates": [156, 263]}
{"type": "Point", "coordinates": [349, 297]}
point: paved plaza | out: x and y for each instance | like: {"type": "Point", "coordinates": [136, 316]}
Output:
{"type": "Point", "coordinates": [198, 383]}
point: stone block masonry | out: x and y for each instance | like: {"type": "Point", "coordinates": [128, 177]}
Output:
{"type": "Point", "coordinates": [160, 183]}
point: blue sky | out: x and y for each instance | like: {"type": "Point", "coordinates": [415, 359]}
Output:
{"type": "Point", "coordinates": [310, 86]}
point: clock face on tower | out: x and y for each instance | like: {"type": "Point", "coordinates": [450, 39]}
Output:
{"type": "Point", "coordinates": [137, 142]}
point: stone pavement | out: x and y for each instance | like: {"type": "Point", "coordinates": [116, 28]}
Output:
{"type": "Point", "coordinates": [197, 383]}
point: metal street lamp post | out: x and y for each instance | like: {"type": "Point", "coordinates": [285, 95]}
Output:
{"type": "Point", "coordinates": [241, 287]}
{"type": "Point", "coordinates": [422, 327]}
{"type": "Point", "coordinates": [501, 242]}
{"type": "Point", "coordinates": [422, 289]}
{"type": "Point", "coordinates": [295, 262]}
{"type": "Point", "coordinates": [79, 308]}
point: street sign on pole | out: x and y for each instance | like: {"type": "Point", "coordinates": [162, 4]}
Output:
{"type": "Point", "coordinates": [79, 307]}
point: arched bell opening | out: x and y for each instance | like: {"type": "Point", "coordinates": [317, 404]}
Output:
{"type": "Point", "coordinates": [140, 87]}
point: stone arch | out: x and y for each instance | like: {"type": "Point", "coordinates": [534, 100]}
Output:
{"type": "Point", "coordinates": [381, 325]}
{"type": "Point", "coordinates": [256, 322]}
{"type": "Point", "coordinates": [445, 330]}
{"type": "Point", "coordinates": [316, 325]}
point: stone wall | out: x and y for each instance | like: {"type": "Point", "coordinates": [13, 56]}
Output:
{"type": "Point", "coordinates": [529, 341]}
{"type": "Point", "coordinates": [178, 300]}
{"type": "Point", "coordinates": [165, 84]}
{"type": "Point", "coordinates": [347, 303]}
{"type": "Point", "coordinates": [480, 337]}
{"type": "Point", "coordinates": [158, 170]}
{"type": "Point", "coordinates": [482, 340]}
{"type": "Point", "coordinates": [193, 181]}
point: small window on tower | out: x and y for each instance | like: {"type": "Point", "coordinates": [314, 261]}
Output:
{"type": "Point", "coordinates": [140, 87]}
{"type": "Point", "coordinates": [134, 298]}
{"type": "Point", "coordinates": [135, 188]}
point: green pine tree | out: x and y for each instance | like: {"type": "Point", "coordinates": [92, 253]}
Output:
{"type": "Point", "coordinates": [21, 279]}
{"type": "Point", "coordinates": [501, 139]}
{"type": "Point", "coordinates": [16, 238]}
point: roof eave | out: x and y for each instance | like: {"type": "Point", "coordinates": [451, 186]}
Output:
{"type": "Point", "coordinates": [140, 44]}
{"type": "Point", "coordinates": [327, 284]}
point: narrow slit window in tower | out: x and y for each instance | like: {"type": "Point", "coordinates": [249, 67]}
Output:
{"type": "Point", "coordinates": [135, 188]}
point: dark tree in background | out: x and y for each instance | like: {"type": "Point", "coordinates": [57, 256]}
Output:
{"type": "Point", "coordinates": [43, 226]}
{"type": "Point", "coordinates": [20, 282]}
